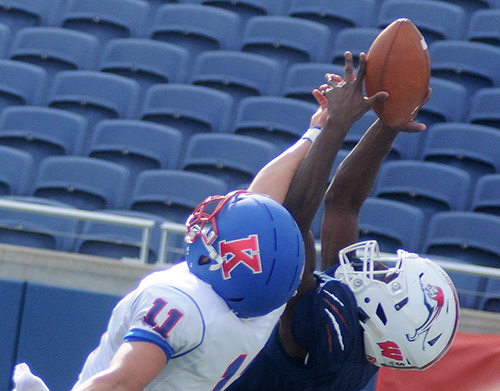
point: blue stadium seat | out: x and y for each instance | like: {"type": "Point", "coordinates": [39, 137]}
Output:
{"type": "Point", "coordinates": [432, 187]}
{"type": "Point", "coordinates": [74, 318]}
{"type": "Point", "coordinates": [42, 131]}
{"type": "Point", "coordinates": [393, 224]}
{"type": "Point", "coordinates": [38, 230]}
{"type": "Point", "coordinates": [486, 196]}
{"type": "Point", "coordinates": [17, 170]}
{"type": "Point", "coordinates": [316, 224]}
{"type": "Point", "coordinates": [465, 235]}
{"type": "Point", "coordinates": [189, 108]}
{"type": "Point", "coordinates": [55, 49]}
{"type": "Point", "coordinates": [286, 39]}
{"type": "Point", "coordinates": [473, 148]}
{"type": "Point", "coordinates": [12, 293]}
{"type": "Point", "coordinates": [147, 61]}
{"type": "Point", "coordinates": [484, 26]}
{"type": "Point", "coordinates": [239, 74]}
{"type": "Point", "coordinates": [118, 241]}
{"type": "Point", "coordinates": [485, 108]}
{"type": "Point", "coordinates": [173, 194]}
{"type": "Point", "coordinates": [491, 299]}
{"type": "Point", "coordinates": [436, 20]}
{"type": "Point", "coordinates": [278, 120]}
{"type": "Point", "coordinates": [21, 83]}
{"type": "Point", "coordinates": [84, 182]}
{"type": "Point", "coordinates": [95, 95]}
{"type": "Point", "coordinates": [246, 8]}
{"type": "Point", "coordinates": [139, 145]}
{"type": "Point", "coordinates": [5, 39]}
{"type": "Point", "coordinates": [448, 103]}
{"type": "Point", "coordinates": [196, 27]}
{"type": "Point", "coordinates": [354, 39]}
{"type": "Point", "coordinates": [233, 158]}
{"type": "Point", "coordinates": [471, 63]}
{"type": "Point", "coordinates": [302, 78]}
{"type": "Point", "coordinates": [106, 19]}
{"type": "Point", "coordinates": [18, 14]}
{"type": "Point", "coordinates": [471, 6]}
{"type": "Point", "coordinates": [336, 15]}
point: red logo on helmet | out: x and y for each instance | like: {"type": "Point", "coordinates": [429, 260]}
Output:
{"type": "Point", "coordinates": [245, 251]}
{"type": "Point", "coordinates": [434, 302]}
{"type": "Point", "coordinates": [391, 350]}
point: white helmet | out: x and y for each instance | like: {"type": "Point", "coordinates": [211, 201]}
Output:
{"type": "Point", "coordinates": [408, 308]}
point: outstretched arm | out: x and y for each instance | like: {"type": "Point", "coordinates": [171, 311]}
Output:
{"type": "Point", "coordinates": [346, 104]}
{"type": "Point", "coordinates": [353, 183]}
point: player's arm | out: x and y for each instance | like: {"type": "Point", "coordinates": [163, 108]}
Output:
{"type": "Point", "coordinates": [132, 368]}
{"type": "Point", "coordinates": [353, 183]}
{"type": "Point", "coordinates": [346, 104]}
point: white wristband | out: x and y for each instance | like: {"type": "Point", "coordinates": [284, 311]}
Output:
{"type": "Point", "coordinates": [312, 133]}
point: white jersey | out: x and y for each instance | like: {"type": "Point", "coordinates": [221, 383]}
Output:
{"type": "Point", "coordinates": [206, 344]}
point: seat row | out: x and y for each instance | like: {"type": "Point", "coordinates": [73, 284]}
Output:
{"type": "Point", "coordinates": [138, 17]}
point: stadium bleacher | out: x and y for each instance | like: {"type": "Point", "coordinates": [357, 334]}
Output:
{"type": "Point", "coordinates": [143, 92]}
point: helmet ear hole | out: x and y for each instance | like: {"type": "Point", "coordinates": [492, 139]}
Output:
{"type": "Point", "coordinates": [204, 260]}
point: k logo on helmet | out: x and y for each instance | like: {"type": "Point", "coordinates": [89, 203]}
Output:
{"type": "Point", "coordinates": [241, 251]}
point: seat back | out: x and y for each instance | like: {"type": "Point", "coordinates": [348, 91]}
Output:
{"type": "Point", "coordinates": [173, 194]}
{"type": "Point", "coordinates": [435, 20]}
{"type": "Point", "coordinates": [17, 170]}
{"type": "Point", "coordinates": [465, 235]}
{"type": "Point", "coordinates": [42, 131]}
{"type": "Point", "coordinates": [471, 63]}
{"type": "Point", "coordinates": [139, 145]}
{"type": "Point", "coordinates": [237, 73]}
{"type": "Point", "coordinates": [473, 148]}
{"type": "Point", "coordinates": [196, 27]}
{"type": "Point", "coordinates": [18, 14]}
{"type": "Point", "coordinates": [486, 196]}
{"type": "Point", "coordinates": [191, 109]}
{"type": "Point", "coordinates": [448, 103]}
{"type": "Point", "coordinates": [21, 83]}
{"type": "Point", "coordinates": [233, 158]}
{"type": "Point", "coordinates": [336, 15]}
{"type": "Point", "coordinates": [432, 187]}
{"type": "Point", "coordinates": [485, 107]}
{"type": "Point", "coordinates": [148, 62]}
{"type": "Point", "coordinates": [95, 95]}
{"type": "Point", "coordinates": [55, 49]}
{"type": "Point", "coordinates": [286, 39]}
{"type": "Point", "coordinates": [393, 224]}
{"type": "Point", "coordinates": [84, 182]}
{"type": "Point", "coordinates": [106, 19]}
{"type": "Point", "coordinates": [278, 120]}
{"type": "Point", "coordinates": [484, 26]}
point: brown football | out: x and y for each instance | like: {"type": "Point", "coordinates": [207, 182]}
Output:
{"type": "Point", "coordinates": [398, 62]}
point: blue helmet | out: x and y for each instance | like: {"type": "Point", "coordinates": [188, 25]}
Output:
{"type": "Point", "coordinates": [248, 248]}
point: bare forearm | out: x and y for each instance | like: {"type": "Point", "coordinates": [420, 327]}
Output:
{"type": "Point", "coordinates": [276, 176]}
{"type": "Point", "coordinates": [310, 181]}
{"type": "Point", "coordinates": [351, 185]}
{"type": "Point", "coordinates": [356, 176]}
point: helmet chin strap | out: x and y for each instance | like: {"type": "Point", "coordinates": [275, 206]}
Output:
{"type": "Point", "coordinates": [213, 254]}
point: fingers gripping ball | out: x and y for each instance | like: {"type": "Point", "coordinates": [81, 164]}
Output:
{"type": "Point", "coordinates": [398, 62]}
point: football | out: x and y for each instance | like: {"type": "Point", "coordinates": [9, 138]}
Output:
{"type": "Point", "coordinates": [398, 62]}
